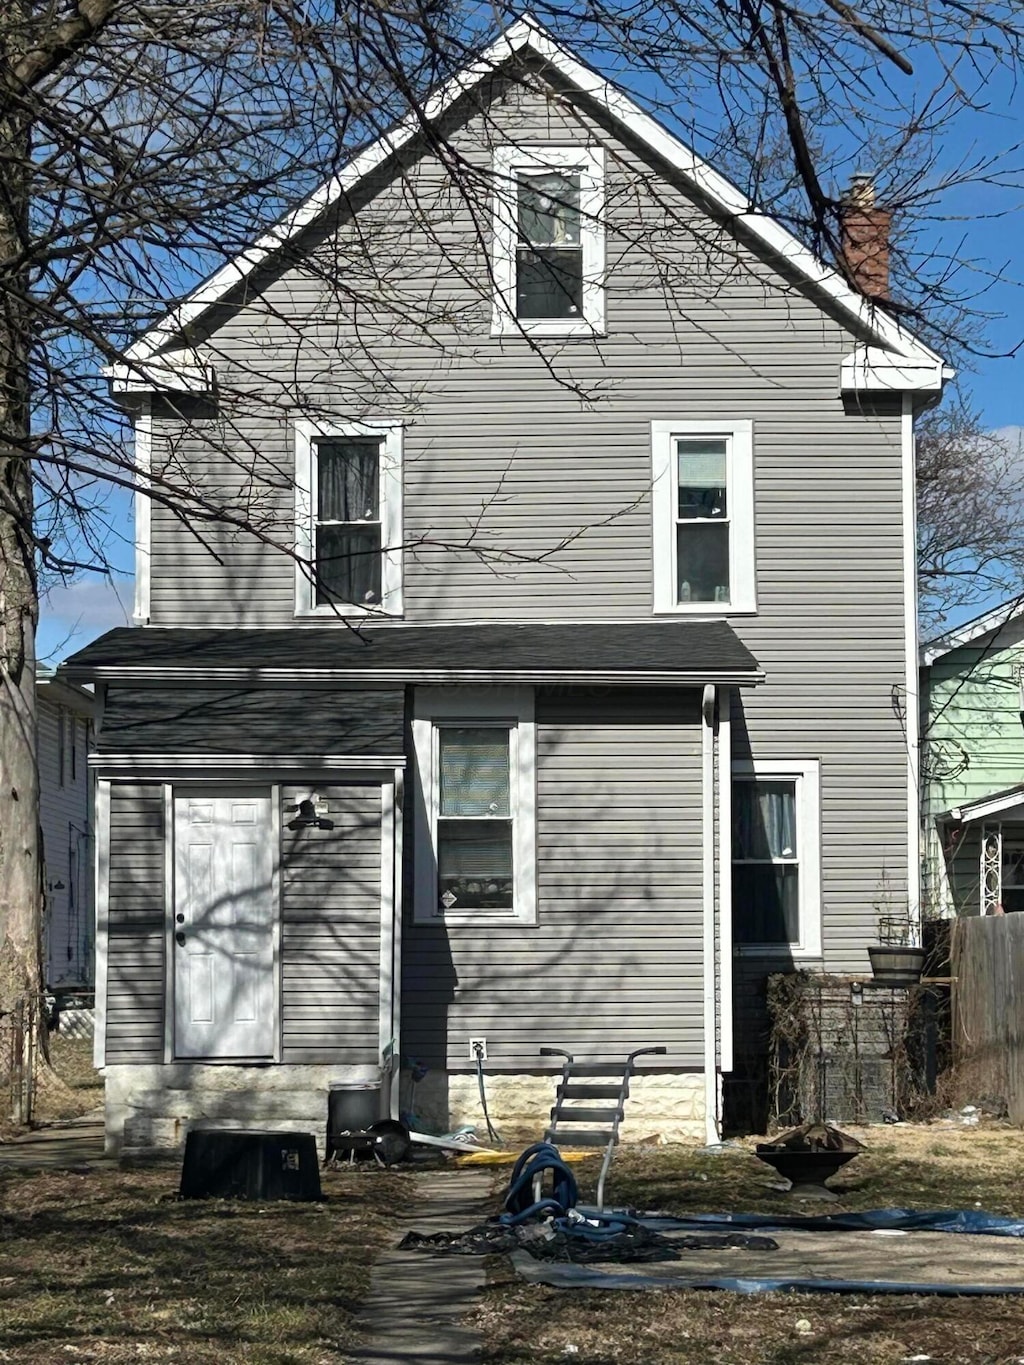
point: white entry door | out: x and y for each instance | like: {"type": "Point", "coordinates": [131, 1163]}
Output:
{"type": "Point", "coordinates": [223, 938]}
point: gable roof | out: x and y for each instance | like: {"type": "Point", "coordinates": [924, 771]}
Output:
{"type": "Point", "coordinates": [992, 620]}
{"type": "Point", "coordinates": [898, 358]}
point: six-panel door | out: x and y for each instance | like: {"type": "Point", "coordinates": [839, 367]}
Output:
{"type": "Point", "coordinates": [223, 937]}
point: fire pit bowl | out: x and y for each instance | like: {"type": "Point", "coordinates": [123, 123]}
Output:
{"type": "Point", "coordinates": [809, 1156]}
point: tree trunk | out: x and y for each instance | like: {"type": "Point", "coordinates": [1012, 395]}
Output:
{"type": "Point", "coordinates": [20, 852]}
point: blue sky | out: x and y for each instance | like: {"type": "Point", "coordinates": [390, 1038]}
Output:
{"type": "Point", "coordinates": [980, 223]}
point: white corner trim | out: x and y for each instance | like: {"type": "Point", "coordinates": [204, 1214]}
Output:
{"type": "Point", "coordinates": [387, 979]}
{"type": "Point", "coordinates": [742, 528]}
{"type": "Point", "coordinates": [390, 501]}
{"type": "Point", "coordinates": [497, 705]}
{"type": "Point", "coordinates": [170, 990]}
{"type": "Point", "coordinates": [527, 33]}
{"type": "Point", "coordinates": [707, 752]}
{"type": "Point", "coordinates": [277, 902]}
{"type": "Point", "coordinates": [872, 369]}
{"type": "Point", "coordinates": [101, 894]}
{"type": "Point", "coordinates": [143, 507]}
{"type": "Point", "coordinates": [511, 161]}
{"type": "Point", "coordinates": [807, 774]}
{"type": "Point", "coordinates": [398, 805]}
{"type": "Point", "coordinates": [726, 1002]}
{"type": "Point", "coordinates": [912, 715]}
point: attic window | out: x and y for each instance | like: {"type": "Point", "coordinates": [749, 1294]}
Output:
{"type": "Point", "coordinates": [549, 240]}
{"type": "Point", "coordinates": [348, 519]}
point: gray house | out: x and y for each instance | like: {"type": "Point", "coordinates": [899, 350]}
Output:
{"type": "Point", "coordinates": [65, 719]}
{"type": "Point", "coordinates": [578, 692]}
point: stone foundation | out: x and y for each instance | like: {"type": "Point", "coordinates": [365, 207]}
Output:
{"type": "Point", "coordinates": [665, 1104]}
{"type": "Point", "coordinates": [151, 1108]}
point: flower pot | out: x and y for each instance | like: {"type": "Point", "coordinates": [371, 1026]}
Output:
{"type": "Point", "coordinates": [896, 966]}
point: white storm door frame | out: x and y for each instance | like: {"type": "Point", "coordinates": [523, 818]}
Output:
{"type": "Point", "coordinates": [213, 791]}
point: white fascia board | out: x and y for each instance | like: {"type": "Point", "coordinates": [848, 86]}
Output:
{"type": "Point", "coordinates": [527, 33]}
{"type": "Point", "coordinates": [440, 676]}
{"type": "Point", "coordinates": [996, 804]}
{"type": "Point", "coordinates": [870, 369]}
{"type": "Point", "coordinates": [967, 634]}
{"type": "Point", "coordinates": [165, 376]}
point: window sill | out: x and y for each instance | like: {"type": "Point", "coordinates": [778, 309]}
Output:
{"type": "Point", "coordinates": [544, 327]}
{"type": "Point", "coordinates": [712, 609]}
{"type": "Point", "coordinates": [340, 613]}
{"type": "Point", "coordinates": [783, 950]}
{"type": "Point", "coordinates": [476, 919]}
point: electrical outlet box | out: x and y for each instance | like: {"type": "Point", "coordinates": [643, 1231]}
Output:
{"type": "Point", "coordinates": [478, 1048]}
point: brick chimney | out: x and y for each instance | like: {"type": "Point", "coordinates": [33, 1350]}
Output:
{"type": "Point", "coordinates": [865, 237]}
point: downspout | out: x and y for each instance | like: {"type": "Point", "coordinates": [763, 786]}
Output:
{"type": "Point", "coordinates": [707, 746]}
{"type": "Point", "coordinates": [396, 947]}
{"type": "Point", "coordinates": [913, 717]}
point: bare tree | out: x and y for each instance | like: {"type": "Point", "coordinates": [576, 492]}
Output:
{"type": "Point", "coordinates": [970, 514]}
{"type": "Point", "coordinates": [145, 144]}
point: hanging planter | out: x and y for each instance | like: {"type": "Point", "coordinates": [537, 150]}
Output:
{"type": "Point", "coordinates": [895, 960]}
{"type": "Point", "coordinates": [896, 965]}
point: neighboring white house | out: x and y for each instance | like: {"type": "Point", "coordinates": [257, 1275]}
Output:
{"type": "Point", "coordinates": [65, 717]}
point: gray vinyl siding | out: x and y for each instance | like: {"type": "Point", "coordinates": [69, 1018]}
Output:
{"type": "Point", "coordinates": [330, 935]}
{"type": "Point", "coordinates": [67, 847]}
{"type": "Point", "coordinates": [614, 960]}
{"type": "Point", "coordinates": [527, 497]}
{"type": "Point", "coordinates": [136, 934]}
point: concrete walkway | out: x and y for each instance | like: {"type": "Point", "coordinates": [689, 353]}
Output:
{"type": "Point", "coordinates": [67, 1146]}
{"type": "Point", "coordinates": [416, 1301]}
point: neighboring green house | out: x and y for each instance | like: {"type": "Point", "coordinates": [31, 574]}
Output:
{"type": "Point", "coordinates": [972, 757]}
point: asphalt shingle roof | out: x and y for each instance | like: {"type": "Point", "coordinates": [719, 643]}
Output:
{"type": "Point", "coordinates": [669, 651]}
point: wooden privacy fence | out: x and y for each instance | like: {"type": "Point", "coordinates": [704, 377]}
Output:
{"type": "Point", "coordinates": [987, 965]}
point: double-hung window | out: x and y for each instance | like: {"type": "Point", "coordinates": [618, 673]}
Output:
{"type": "Point", "coordinates": [775, 858]}
{"type": "Point", "coordinates": [549, 240]}
{"type": "Point", "coordinates": [475, 805]}
{"type": "Point", "coordinates": [348, 518]}
{"type": "Point", "coordinates": [703, 504]}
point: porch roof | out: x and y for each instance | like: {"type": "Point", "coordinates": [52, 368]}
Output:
{"type": "Point", "coordinates": [674, 653]}
{"type": "Point", "coordinates": [982, 807]}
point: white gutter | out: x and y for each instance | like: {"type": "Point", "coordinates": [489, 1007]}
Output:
{"type": "Point", "coordinates": [707, 748]}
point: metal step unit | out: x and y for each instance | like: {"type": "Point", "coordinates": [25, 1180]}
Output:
{"type": "Point", "coordinates": [582, 1080]}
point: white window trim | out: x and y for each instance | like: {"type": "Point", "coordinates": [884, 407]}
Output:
{"type": "Point", "coordinates": [390, 502]}
{"type": "Point", "coordinates": [664, 497]}
{"type": "Point", "coordinates": [433, 707]}
{"type": "Point", "coordinates": [508, 163]}
{"type": "Point", "coordinates": [807, 775]}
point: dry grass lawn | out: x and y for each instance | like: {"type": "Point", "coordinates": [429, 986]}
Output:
{"type": "Point", "coordinates": [919, 1167]}
{"type": "Point", "coordinates": [110, 1267]}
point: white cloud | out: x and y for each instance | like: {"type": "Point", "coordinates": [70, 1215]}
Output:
{"type": "Point", "coordinates": [72, 614]}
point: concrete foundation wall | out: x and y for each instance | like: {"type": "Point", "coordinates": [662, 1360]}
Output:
{"type": "Point", "coordinates": [151, 1108]}
{"type": "Point", "coordinates": [669, 1104]}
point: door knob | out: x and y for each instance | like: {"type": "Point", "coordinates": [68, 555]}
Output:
{"type": "Point", "coordinates": [179, 938]}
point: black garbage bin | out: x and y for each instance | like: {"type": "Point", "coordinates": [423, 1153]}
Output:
{"type": "Point", "coordinates": [350, 1109]}
{"type": "Point", "coordinates": [259, 1166]}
